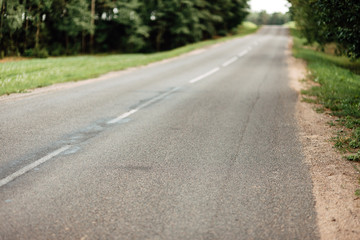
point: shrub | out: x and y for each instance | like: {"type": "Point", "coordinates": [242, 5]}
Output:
{"type": "Point", "coordinates": [28, 52]}
{"type": "Point", "coordinates": [41, 53]}
{"type": "Point", "coordinates": [36, 52]}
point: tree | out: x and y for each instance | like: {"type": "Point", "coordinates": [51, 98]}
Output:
{"type": "Point", "coordinates": [172, 19]}
{"type": "Point", "coordinates": [60, 27]}
{"type": "Point", "coordinates": [92, 25]}
{"type": "Point", "coordinates": [340, 22]}
{"type": "Point", "coordinates": [10, 23]}
{"type": "Point", "coordinates": [329, 21]}
{"type": "Point", "coordinates": [190, 21]}
{"type": "Point", "coordinates": [264, 18]}
{"type": "Point", "coordinates": [39, 10]}
{"type": "Point", "coordinates": [119, 25]}
{"type": "Point", "coordinates": [75, 20]}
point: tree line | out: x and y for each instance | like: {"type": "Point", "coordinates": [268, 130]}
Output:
{"type": "Point", "coordinates": [264, 18]}
{"type": "Point", "coordinates": [63, 27]}
{"type": "Point", "coordinates": [330, 21]}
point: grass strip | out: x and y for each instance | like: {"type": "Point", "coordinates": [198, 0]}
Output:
{"type": "Point", "coordinates": [338, 91]}
{"type": "Point", "coordinates": [19, 76]}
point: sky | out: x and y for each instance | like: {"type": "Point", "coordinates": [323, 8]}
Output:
{"type": "Point", "coordinates": [269, 5]}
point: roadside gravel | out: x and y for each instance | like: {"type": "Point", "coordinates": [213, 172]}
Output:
{"type": "Point", "coordinates": [334, 179]}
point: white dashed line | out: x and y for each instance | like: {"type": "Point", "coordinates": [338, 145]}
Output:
{"type": "Point", "coordinates": [243, 53]}
{"type": "Point", "coordinates": [230, 61]}
{"type": "Point", "coordinates": [122, 116]}
{"type": "Point", "coordinates": [31, 166]}
{"type": "Point", "coordinates": [158, 98]}
{"type": "Point", "coordinates": [204, 75]}
{"type": "Point", "coordinates": [127, 114]}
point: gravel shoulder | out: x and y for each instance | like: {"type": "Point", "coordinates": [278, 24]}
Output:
{"type": "Point", "coordinates": [334, 179]}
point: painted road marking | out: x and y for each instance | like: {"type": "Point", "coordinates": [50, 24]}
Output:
{"type": "Point", "coordinates": [122, 116]}
{"type": "Point", "coordinates": [243, 53]}
{"type": "Point", "coordinates": [230, 61]}
{"type": "Point", "coordinates": [151, 101]}
{"type": "Point", "coordinates": [204, 75]}
{"type": "Point", "coordinates": [31, 166]}
{"type": "Point", "coordinates": [127, 114]}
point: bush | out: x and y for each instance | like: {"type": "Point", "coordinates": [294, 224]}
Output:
{"type": "Point", "coordinates": [57, 49]}
{"type": "Point", "coordinates": [39, 53]}
{"type": "Point", "coordinates": [28, 52]}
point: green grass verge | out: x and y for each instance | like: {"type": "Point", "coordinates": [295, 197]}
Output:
{"type": "Point", "coordinates": [291, 25]}
{"type": "Point", "coordinates": [16, 77]}
{"type": "Point", "coordinates": [338, 91]}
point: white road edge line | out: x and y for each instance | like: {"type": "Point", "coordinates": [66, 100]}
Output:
{"type": "Point", "coordinates": [127, 114]}
{"type": "Point", "coordinates": [31, 166]}
{"type": "Point", "coordinates": [230, 61]}
{"type": "Point", "coordinates": [204, 75]}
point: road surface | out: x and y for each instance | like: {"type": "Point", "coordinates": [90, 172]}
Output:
{"type": "Point", "coordinates": [201, 147]}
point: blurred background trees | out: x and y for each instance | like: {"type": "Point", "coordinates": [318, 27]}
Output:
{"type": "Point", "coordinates": [329, 21]}
{"type": "Point", "coordinates": [264, 18]}
{"type": "Point", "coordinates": [63, 27]}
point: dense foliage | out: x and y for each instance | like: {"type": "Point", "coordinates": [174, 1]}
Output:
{"type": "Point", "coordinates": [330, 21]}
{"type": "Point", "coordinates": [337, 91]}
{"type": "Point", "coordinates": [264, 18]}
{"type": "Point", "coordinates": [59, 27]}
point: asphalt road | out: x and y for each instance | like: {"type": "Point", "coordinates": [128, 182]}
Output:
{"type": "Point", "coordinates": [201, 147]}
